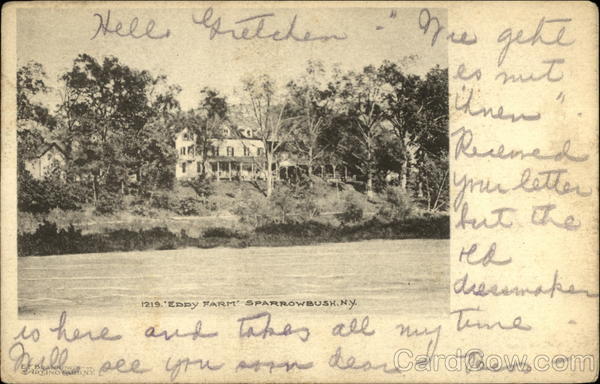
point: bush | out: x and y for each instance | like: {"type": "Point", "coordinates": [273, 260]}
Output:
{"type": "Point", "coordinates": [49, 240]}
{"type": "Point", "coordinates": [397, 206]}
{"type": "Point", "coordinates": [143, 210]}
{"type": "Point", "coordinates": [353, 210]}
{"type": "Point", "coordinates": [283, 205]}
{"type": "Point", "coordinates": [27, 222]}
{"type": "Point", "coordinates": [40, 196]}
{"type": "Point", "coordinates": [202, 185]}
{"type": "Point", "coordinates": [109, 203]}
{"type": "Point", "coordinates": [309, 229]}
{"type": "Point", "coordinates": [254, 212]}
{"type": "Point", "coordinates": [163, 200]}
{"type": "Point", "coordinates": [222, 232]}
{"type": "Point", "coordinates": [189, 207]}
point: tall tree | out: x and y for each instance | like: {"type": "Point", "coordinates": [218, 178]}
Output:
{"type": "Point", "coordinates": [433, 139]}
{"type": "Point", "coordinates": [361, 100]}
{"type": "Point", "coordinates": [403, 110]}
{"type": "Point", "coordinates": [33, 118]}
{"type": "Point", "coordinates": [31, 82]}
{"type": "Point", "coordinates": [311, 98]}
{"type": "Point", "coordinates": [268, 116]}
{"type": "Point", "coordinates": [204, 123]}
{"type": "Point", "coordinates": [107, 107]}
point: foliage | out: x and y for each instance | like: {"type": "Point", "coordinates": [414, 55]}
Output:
{"type": "Point", "coordinates": [49, 240]}
{"type": "Point", "coordinates": [189, 207]}
{"type": "Point", "coordinates": [205, 123]}
{"type": "Point", "coordinates": [360, 100]}
{"type": "Point", "coordinates": [397, 205]}
{"type": "Point", "coordinates": [202, 185]}
{"type": "Point", "coordinates": [109, 203]}
{"type": "Point", "coordinates": [222, 232]}
{"type": "Point", "coordinates": [312, 101]}
{"type": "Point", "coordinates": [267, 114]}
{"type": "Point", "coordinates": [31, 82]}
{"type": "Point", "coordinates": [353, 210]}
{"type": "Point", "coordinates": [163, 200]}
{"type": "Point", "coordinates": [112, 122]}
{"type": "Point", "coordinates": [254, 212]}
{"type": "Point", "coordinates": [40, 196]}
{"type": "Point", "coordinates": [119, 123]}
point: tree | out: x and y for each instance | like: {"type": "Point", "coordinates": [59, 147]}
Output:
{"type": "Point", "coordinates": [311, 98]}
{"type": "Point", "coordinates": [418, 111]}
{"type": "Point", "coordinates": [205, 123]}
{"type": "Point", "coordinates": [403, 110]}
{"type": "Point", "coordinates": [268, 117]}
{"type": "Point", "coordinates": [32, 117]}
{"type": "Point", "coordinates": [31, 82]}
{"type": "Point", "coordinates": [107, 107]}
{"type": "Point", "coordinates": [202, 186]}
{"type": "Point", "coordinates": [432, 156]}
{"type": "Point", "coordinates": [361, 101]}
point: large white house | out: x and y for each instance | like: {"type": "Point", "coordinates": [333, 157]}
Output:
{"type": "Point", "coordinates": [236, 155]}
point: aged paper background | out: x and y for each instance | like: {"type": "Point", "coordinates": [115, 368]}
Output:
{"type": "Point", "coordinates": [559, 324]}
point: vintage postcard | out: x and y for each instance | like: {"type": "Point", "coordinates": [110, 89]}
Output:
{"type": "Point", "coordinates": [299, 192]}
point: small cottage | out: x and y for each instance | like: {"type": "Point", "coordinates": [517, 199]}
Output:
{"type": "Point", "coordinates": [45, 160]}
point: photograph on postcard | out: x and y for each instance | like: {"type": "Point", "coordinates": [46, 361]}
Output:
{"type": "Point", "coordinates": [243, 164]}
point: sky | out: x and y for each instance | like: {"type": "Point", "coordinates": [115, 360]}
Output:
{"type": "Point", "coordinates": [191, 59]}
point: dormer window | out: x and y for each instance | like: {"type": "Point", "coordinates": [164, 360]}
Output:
{"type": "Point", "coordinates": [225, 131]}
{"type": "Point", "coordinates": [248, 133]}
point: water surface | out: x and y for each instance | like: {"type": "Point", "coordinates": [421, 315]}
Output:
{"type": "Point", "coordinates": [384, 276]}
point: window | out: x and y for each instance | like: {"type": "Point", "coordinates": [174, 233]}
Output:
{"type": "Point", "coordinates": [183, 151]}
{"type": "Point", "coordinates": [190, 150]}
{"type": "Point", "coordinates": [183, 167]}
{"type": "Point", "coordinates": [230, 151]}
{"type": "Point", "coordinates": [198, 167]}
{"type": "Point", "coordinates": [249, 133]}
{"type": "Point", "coordinates": [225, 131]}
{"type": "Point", "coordinates": [246, 151]}
{"type": "Point", "coordinates": [259, 151]}
{"type": "Point", "coordinates": [215, 150]}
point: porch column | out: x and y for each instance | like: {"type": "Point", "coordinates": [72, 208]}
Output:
{"type": "Point", "coordinates": [229, 168]}
{"type": "Point", "coordinates": [333, 166]}
{"type": "Point", "coordinates": [345, 172]}
{"type": "Point", "coordinates": [241, 169]}
{"type": "Point", "coordinates": [322, 173]}
{"type": "Point", "coordinates": [252, 168]}
{"type": "Point", "coordinates": [218, 171]}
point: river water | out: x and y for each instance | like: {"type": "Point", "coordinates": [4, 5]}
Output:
{"type": "Point", "coordinates": [383, 276]}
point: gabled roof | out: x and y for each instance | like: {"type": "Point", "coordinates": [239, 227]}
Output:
{"type": "Point", "coordinates": [234, 132]}
{"type": "Point", "coordinates": [46, 147]}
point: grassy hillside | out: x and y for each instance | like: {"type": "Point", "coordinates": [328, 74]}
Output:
{"type": "Point", "coordinates": [218, 211]}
